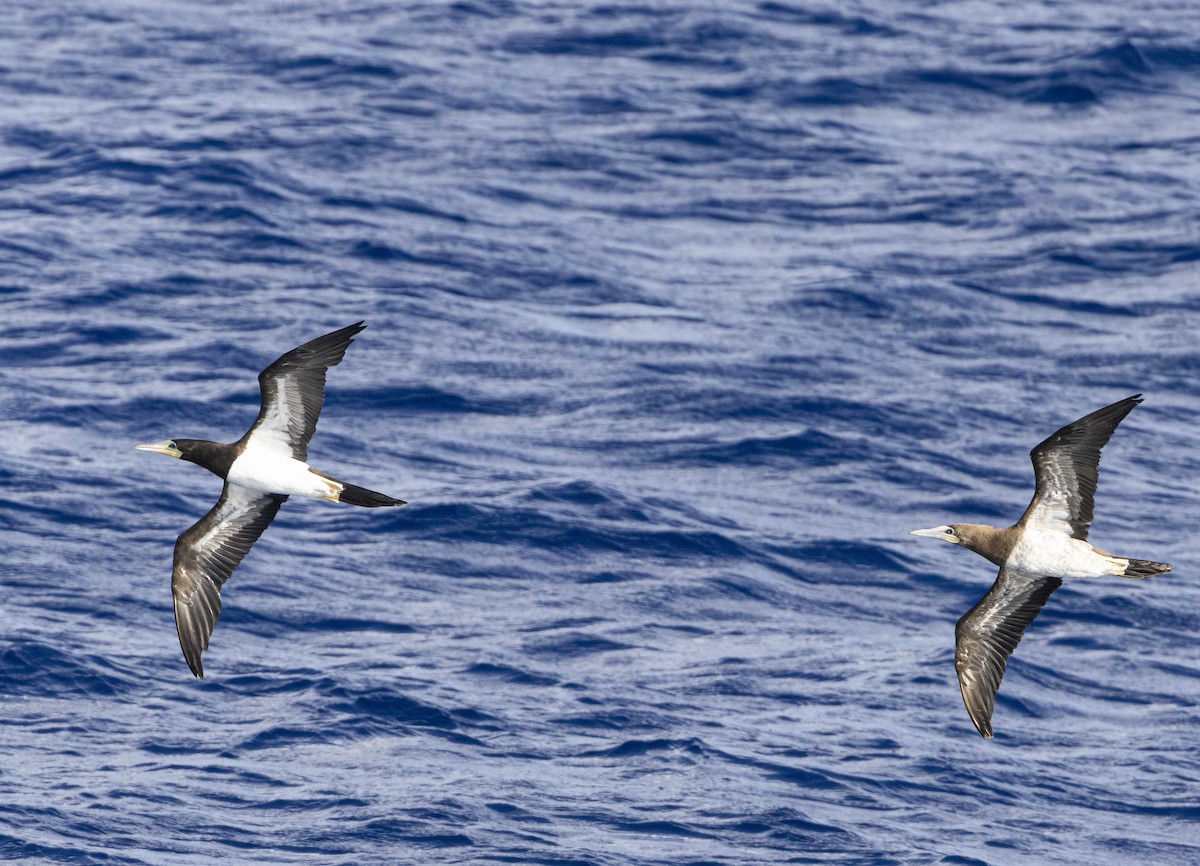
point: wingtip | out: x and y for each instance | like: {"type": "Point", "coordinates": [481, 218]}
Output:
{"type": "Point", "coordinates": [982, 724]}
{"type": "Point", "coordinates": [349, 332]}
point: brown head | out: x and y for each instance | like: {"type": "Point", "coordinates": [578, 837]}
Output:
{"type": "Point", "coordinates": [213, 456]}
{"type": "Point", "coordinates": [988, 541]}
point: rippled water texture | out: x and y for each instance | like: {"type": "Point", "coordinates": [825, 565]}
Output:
{"type": "Point", "coordinates": [680, 317]}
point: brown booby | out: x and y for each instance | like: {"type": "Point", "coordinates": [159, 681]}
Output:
{"type": "Point", "coordinates": [1049, 543]}
{"type": "Point", "coordinates": [261, 470]}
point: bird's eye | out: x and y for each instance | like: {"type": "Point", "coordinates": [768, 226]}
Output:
{"type": "Point", "coordinates": [949, 531]}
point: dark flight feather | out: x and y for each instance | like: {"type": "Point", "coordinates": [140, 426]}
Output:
{"type": "Point", "coordinates": [205, 557]}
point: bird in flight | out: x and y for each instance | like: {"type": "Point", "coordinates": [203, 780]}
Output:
{"type": "Point", "coordinates": [261, 470]}
{"type": "Point", "coordinates": [1048, 544]}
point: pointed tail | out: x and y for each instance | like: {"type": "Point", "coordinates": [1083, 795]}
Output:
{"type": "Point", "coordinates": [370, 499]}
{"type": "Point", "coordinates": [1141, 568]}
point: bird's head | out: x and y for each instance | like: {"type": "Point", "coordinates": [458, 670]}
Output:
{"type": "Point", "coordinates": [945, 533]}
{"type": "Point", "coordinates": [168, 446]}
{"type": "Point", "coordinates": [213, 456]}
{"type": "Point", "coordinates": [192, 450]}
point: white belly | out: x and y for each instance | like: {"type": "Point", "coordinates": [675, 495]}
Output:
{"type": "Point", "coordinates": [1053, 554]}
{"type": "Point", "coordinates": [271, 472]}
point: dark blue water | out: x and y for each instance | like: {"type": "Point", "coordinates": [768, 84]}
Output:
{"type": "Point", "coordinates": [680, 317]}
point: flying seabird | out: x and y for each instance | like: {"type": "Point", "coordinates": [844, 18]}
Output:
{"type": "Point", "coordinates": [1048, 544]}
{"type": "Point", "coordinates": [261, 470]}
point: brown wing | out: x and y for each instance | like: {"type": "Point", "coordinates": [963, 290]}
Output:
{"type": "Point", "coordinates": [987, 635]}
{"type": "Point", "coordinates": [293, 391]}
{"type": "Point", "coordinates": [205, 557]}
{"type": "Point", "coordinates": [1066, 467]}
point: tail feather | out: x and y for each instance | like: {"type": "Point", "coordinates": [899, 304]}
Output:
{"type": "Point", "coordinates": [1141, 568]}
{"type": "Point", "coordinates": [367, 498]}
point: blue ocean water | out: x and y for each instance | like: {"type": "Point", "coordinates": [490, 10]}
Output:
{"type": "Point", "coordinates": [680, 316]}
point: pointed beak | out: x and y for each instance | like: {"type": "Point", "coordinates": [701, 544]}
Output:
{"type": "Point", "coordinates": [936, 532]}
{"type": "Point", "coordinates": [165, 447]}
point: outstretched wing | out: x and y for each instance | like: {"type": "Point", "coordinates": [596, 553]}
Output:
{"type": "Point", "coordinates": [987, 635]}
{"type": "Point", "coordinates": [293, 391]}
{"type": "Point", "coordinates": [205, 557]}
{"type": "Point", "coordinates": [1066, 467]}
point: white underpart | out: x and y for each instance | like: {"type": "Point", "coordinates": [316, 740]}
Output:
{"type": "Point", "coordinates": [1046, 553]}
{"type": "Point", "coordinates": [267, 471]}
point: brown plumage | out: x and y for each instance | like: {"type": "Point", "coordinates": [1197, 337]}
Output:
{"type": "Point", "coordinates": [1047, 544]}
{"type": "Point", "coordinates": [272, 452]}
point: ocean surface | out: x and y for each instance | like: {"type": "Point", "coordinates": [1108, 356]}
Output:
{"type": "Point", "coordinates": [680, 316]}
